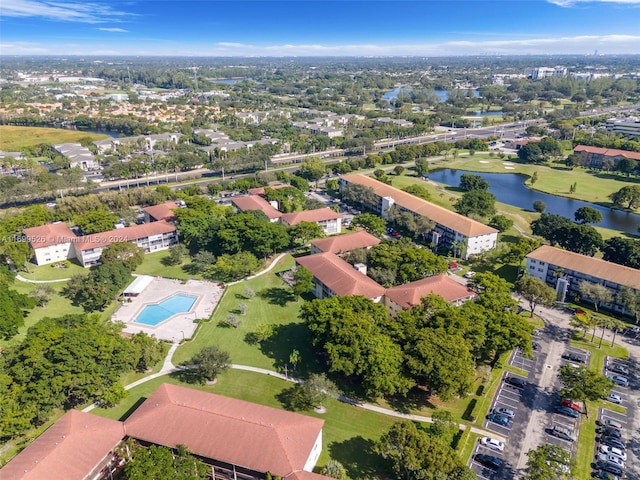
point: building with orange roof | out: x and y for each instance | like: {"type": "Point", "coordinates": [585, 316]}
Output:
{"type": "Point", "coordinates": [450, 228]}
{"type": "Point", "coordinates": [162, 211]}
{"type": "Point", "coordinates": [79, 446]}
{"type": "Point", "coordinates": [564, 271]}
{"type": "Point", "coordinates": [329, 220]}
{"type": "Point", "coordinates": [409, 295]}
{"type": "Point", "coordinates": [236, 439]}
{"type": "Point", "coordinates": [256, 203]}
{"type": "Point", "coordinates": [333, 276]}
{"type": "Point", "coordinates": [51, 243]}
{"type": "Point", "coordinates": [344, 243]}
{"type": "Point", "coordinates": [595, 156]}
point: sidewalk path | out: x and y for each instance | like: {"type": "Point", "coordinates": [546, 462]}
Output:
{"type": "Point", "coordinates": [273, 263]}
{"type": "Point", "coordinates": [168, 368]}
{"type": "Point", "coordinates": [22, 279]}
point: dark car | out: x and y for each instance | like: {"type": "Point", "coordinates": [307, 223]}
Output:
{"type": "Point", "coordinates": [609, 432]}
{"type": "Point", "coordinates": [489, 461]}
{"type": "Point", "coordinates": [609, 467]}
{"type": "Point", "coordinates": [563, 433]}
{"type": "Point", "coordinates": [604, 475]}
{"type": "Point", "coordinates": [617, 368]}
{"type": "Point", "coordinates": [515, 382]}
{"type": "Point", "coordinates": [499, 419]}
{"type": "Point", "coordinates": [535, 345]}
{"type": "Point", "coordinates": [610, 424]}
{"type": "Point", "coordinates": [613, 442]}
{"type": "Point", "coordinates": [566, 411]}
{"type": "Point", "coordinates": [574, 357]}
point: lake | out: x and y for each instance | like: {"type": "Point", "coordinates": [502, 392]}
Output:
{"type": "Point", "coordinates": [231, 81]}
{"type": "Point", "coordinates": [509, 188]}
{"type": "Point", "coordinates": [443, 95]}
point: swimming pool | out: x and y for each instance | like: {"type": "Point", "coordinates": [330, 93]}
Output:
{"type": "Point", "coordinates": [158, 312]}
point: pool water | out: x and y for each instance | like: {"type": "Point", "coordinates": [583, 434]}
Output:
{"type": "Point", "coordinates": [159, 312]}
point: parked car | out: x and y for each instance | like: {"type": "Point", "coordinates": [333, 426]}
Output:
{"type": "Point", "coordinates": [613, 442]}
{"type": "Point", "coordinates": [563, 433]}
{"type": "Point", "coordinates": [603, 457]}
{"type": "Point", "coordinates": [535, 345]}
{"type": "Point", "coordinates": [499, 419]}
{"type": "Point", "coordinates": [614, 398]}
{"type": "Point", "coordinates": [604, 475]}
{"type": "Point", "coordinates": [620, 380]}
{"type": "Point", "coordinates": [571, 404]}
{"type": "Point", "coordinates": [609, 467]}
{"type": "Point", "coordinates": [574, 357]}
{"type": "Point", "coordinates": [504, 411]}
{"type": "Point", "coordinates": [492, 443]}
{"type": "Point", "coordinates": [617, 368]}
{"type": "Point", "coordinates": [609, 432]}
{"type": "Point", "coordinates": [470, 274]}
{"type": "Point", "coordinates": [515, 382]}
{"type": "Point", "coordinates": [489, 461]}
{"type": "Point", "coordinates": [566, 411]}
{"type": "Point", "coordinates": [610, 424]}
{"type": "Point", "coordinates": [613, 451]}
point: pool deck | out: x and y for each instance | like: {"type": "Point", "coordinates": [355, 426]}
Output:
{"type": "Point", "coordinates": [178, 326]}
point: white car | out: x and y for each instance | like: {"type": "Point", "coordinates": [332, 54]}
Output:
{"type": "Point", "coordinates": [470, 274]}
{"type": "Point", "coordinates": [613, 451]}
{"type": "Point", "coordinates": [492, 443]}
{"type": "Point", "coordinates": [615, 398]}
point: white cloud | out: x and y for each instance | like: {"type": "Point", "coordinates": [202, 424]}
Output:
{"type": "Point", "coordinates": [571, 3]}
{"type": "Point", "coordinates": [582, 44]}
{"type": "Point", "coordinates": [67, 11]}
{"type": "Point", "coordinates": [113, 29]}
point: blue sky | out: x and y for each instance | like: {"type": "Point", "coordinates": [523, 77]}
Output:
{"type": "Point", "coordinates": [325, 27]}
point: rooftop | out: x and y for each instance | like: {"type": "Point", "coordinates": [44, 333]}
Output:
{"type": "Point", "coordinates": [48, 235]}
{"type": "Point", "coordinates": [595, 267]}
{"type": "Point", "coordinates": [127, 234]}
{"type": "Point", "coordinates": [68, 450]}
{"type": "Point", "coordinates": [440, 215]}
{"type": "Point", "coordinates": [260, 190]}
{"type": "Point", "coordinates": [163, 211]}
{"type": "Point", "coordinates": [256, 202]}
{"type": "Point", "coordinates": [317, 215]}
{"type": "Point", "coordinates": [410, 294]}
{"type": "Point", "coordinates": [229, 430]}
{"type": "Point", "coordinates": [339, 276]}
{"type": "Point", "coordinates": [346, 243]}
{"type": "Point", "coordinates": [608, 152]}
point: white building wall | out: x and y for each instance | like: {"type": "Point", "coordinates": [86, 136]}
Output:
{"type": "Point", "coordinates": [314, 454]}
{"type": "Point", "coordinates": [537, 269]}
{"type": "Point", "coordinates": [481, 243]}
{"type": "Point", "coordinates": [54, 253]}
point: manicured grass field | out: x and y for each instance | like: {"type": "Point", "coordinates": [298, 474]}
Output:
{"type": "Point", "coordinates": [13, 139]}
{"type": "Point", "coordinates": [348, 434]}
{"type": "Point", "coordinates": [153, 265]}
{"type": "Point", "coordinates": [273, 304]}
{"type": "Point", "coordinates": [50, 272]}
{"type": "Point", "coordinates": [598, 354]}
{"type": "Point", "coordinates": [57, 307]}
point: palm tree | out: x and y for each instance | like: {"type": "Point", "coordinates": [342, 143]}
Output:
{"type": "Point", "coordinates": [616, 325]}
{"type": "Point", "coordinates": [603, 323]}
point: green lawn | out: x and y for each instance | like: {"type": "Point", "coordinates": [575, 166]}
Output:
{"type": "Point", "coordinates": [273, 304]}
{"type": "Point", "coordinates": [348, 435]}
{"type": "Point", "coordinates": [49, 272]}
{"type": "Point", "coordinates": [597, 354]}
{"type": "Point", "coordinates": [153, 265]}
{"type": "Point", "coordinates": [15, 138]}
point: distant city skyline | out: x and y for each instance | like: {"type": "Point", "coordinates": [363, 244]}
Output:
{"type": "Point", "coordinates": [319, 28]}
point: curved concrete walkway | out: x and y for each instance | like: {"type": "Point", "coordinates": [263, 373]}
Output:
{"type": "Point", "coordinates": [22, 279]}
{"type": "Point", "coordinates": [273, 263]}
{"type": "Point", "coordinates": [168, 367]}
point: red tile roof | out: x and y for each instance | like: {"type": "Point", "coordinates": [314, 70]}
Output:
{"type": "Point", "coordinates": [128, 234]}
{"type": "Point", "coordinates": [440, 215]}
{"type": "Point", "coordinates": [340, 277]}
{"type": "Point", "coordinates": [607, 152]}
{"type": "Point", "coordinates": [48, 235]}
{"type": "Point", "coordinates": [409, 295]}
{"type": "Point", "coordinates": [229, 430]}
{"type": "Point", "coordinates": [318, 215]}
{"type": "Point", "coordinates": [346, 243]}
{"type": "Point", "coordinates": [164, 211]}
{"type": "Point", "coordinates": [260, 190]}
{"type": "Point", "coordinates": [68, 450]}
{"type": "Point", "coordinates": [595, 267]}
{"type": "Point", "coordinates": [255, 202]}
{"type": "Point", "coordinates": [304, 475]}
